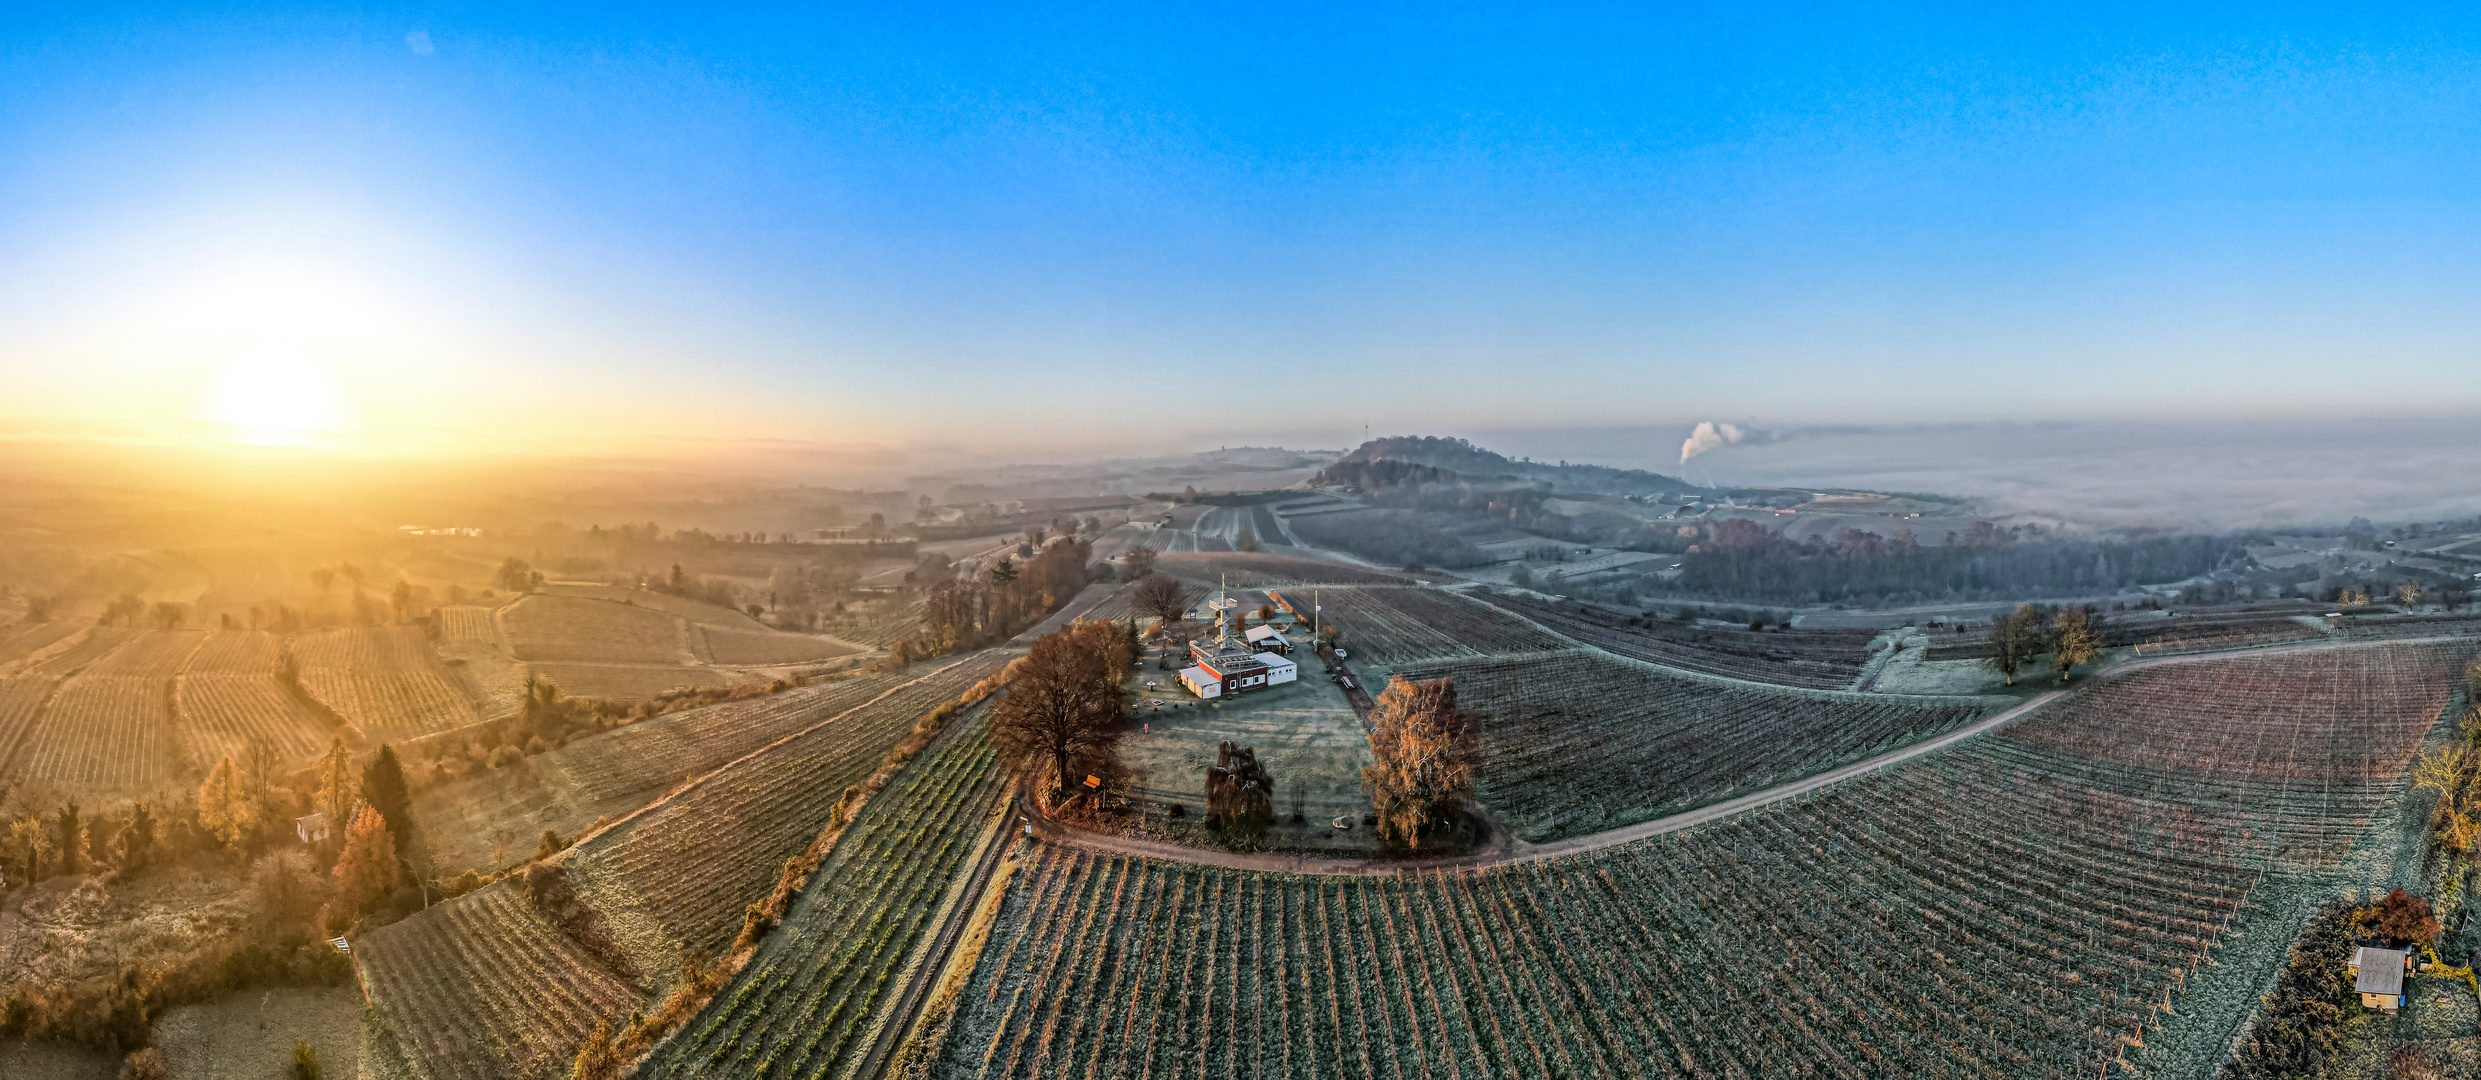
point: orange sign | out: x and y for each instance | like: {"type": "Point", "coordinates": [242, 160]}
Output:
{"type": "Point", "coordinates": [1093, 781]}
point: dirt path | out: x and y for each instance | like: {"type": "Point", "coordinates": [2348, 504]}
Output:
{"type": "Point", "coordinates": [1505, 849]}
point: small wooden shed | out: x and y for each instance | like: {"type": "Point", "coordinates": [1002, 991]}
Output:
{"type": "Point", "coordinates": [2378, 975]}
{"type": "Point", "coordinates": [311, 828]}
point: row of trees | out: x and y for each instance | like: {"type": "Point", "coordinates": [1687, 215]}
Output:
{"type": "Point", "coordinates": [2069, 638]}
{"type": "Point", "coordinates": [960, 613]}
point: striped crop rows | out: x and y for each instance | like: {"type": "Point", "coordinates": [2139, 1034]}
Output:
{"type": "Point", "coordinates": [110, 728]}
{"type": "Point", "coordinates": [1582, 743]}
{"type": "Point", "coordinates": [1405, 625]}
{"type": "Point", "coordinates": [467, 624]}
{"type": "Point", "coordinates": [1252, 570]}
{"type": "Point", "coordinates": [385, 680]}
{"type": "Point", "coordinates": [625, 682]}
{"type": "Point", "coordinates": [674, 879]}
{"type": "Point", "coordinates": [805, 1004]}
{"type": "Point", "coordinates": [544, 627]}
{"type": "Point", "coordinates": [230, 700]}
{"type": "Point", "coordinates": [483, 988]}
{"type": "Point", "coordinates": [1817, 659]}
{"type": "Point", "coordinates": [621, 770]}
{"type": "Point", "coordinates": [697, 859]}
{"type": "Point", "coordinates": [2019, 905]}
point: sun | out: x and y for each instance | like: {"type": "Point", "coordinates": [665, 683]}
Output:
{"type": "Point", "coordinates": [277, 398]}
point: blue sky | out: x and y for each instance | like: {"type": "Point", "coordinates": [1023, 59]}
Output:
{"type": "Point", "coordinates": [1080, 226]}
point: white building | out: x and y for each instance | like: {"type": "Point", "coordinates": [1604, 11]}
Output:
{"type": "Point", "coordinates": [1267, 639]}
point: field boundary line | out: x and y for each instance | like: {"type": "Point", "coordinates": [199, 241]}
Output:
{"type": "Point", "coordinates": [1521, 852]}
{"type": "Point", "coordinates": [695, 782]}
{"type": "Point", "coordinates": [1706, 676]}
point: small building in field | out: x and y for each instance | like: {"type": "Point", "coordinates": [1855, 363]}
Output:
{"type": "Point", "coordinates": [1227, 672]}
{"type": "Point", "coordinates": [1265, 638]}
{"type": "Point", "coordinates": [2377, 974]}
{"type": "Point", "coordinates": [311, 828]}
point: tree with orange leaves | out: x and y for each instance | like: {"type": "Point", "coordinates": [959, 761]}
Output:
{"type": "Point", "coordinates": [367, 870]}
{"type": "Point", "coordinates": [1425, 759]}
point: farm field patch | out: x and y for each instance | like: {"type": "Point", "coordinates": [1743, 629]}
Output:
{"type": "Point", "coordinates": [104, 735]}
{"type": "Point", "coordinates": [542, 627]}
{"type": "Point", "coordinates": [483, 988]}
{"type": "Point", "coordinates": [23, 639]}
{"type": "Point", "coordinates": [670, 881]}
{"type": "Point", "coordinates": [1253, 570]}
{"type": "Point", "coordinates": [468, 624]}
{"type": "Point", "coordinates": [765, 646]}
{"type": "Point", "coordinates": [688, 864]}
{"type": "Point", "coordinates": [482, 821]}
{"type": "Point", "coordinates": [1817, 659]}
{"type": "Point", "coordinates": [2050, 891]}
{"type": "Point", "coordinates": [384, 680]}
{"type": "Point", "coordinates": [1387, 626]}
{"type": "Point", "coordinates": [1583, 743]}
{"type": "Point", "coordinates": [626, 682]}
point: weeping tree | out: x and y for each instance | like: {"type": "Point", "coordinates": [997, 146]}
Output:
{"type": "Point", "coordinates": [1240, 795]}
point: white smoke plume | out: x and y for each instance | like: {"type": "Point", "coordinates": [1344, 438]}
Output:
{"type": "Point", "coordinates": [1708, 436]}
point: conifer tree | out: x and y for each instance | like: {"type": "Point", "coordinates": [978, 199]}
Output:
{"type": "Point", "coordinates": [340, 785]}
{"type": "Point", "coordinates": [384, 788]}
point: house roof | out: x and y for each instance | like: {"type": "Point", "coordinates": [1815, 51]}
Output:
{"type": "Point", "coordinates": [2381, 971]}
{"type": "Point", "coordinates": [1261, 632]}
{"type": "Point", "coordinates": [1277, 663]}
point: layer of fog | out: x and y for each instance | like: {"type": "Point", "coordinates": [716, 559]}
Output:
{"type": "Point", "coordinates": [2101, 475]}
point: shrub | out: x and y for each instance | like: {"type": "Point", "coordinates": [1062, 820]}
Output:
{"type": "Point", "coordinates": [147, 1064]}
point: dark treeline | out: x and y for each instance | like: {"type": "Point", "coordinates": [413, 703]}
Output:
{"type": "Point", "coordinates": [1744, 560]}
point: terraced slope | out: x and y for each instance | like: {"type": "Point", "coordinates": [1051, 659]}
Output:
{"type": "Point", "coordinates": [2020, 905]}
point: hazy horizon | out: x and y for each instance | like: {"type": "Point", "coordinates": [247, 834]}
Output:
{"type": "Point", "coordinates": [449, 228]}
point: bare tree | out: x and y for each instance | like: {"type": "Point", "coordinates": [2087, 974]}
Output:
{"type": "Point", "coordinates": [1163, 597]}
{"type": "Point", "coordinates": [2014, 639]}
{"type": "Point", "coordinates": [1064, 711]}
{"type": "Point", "coordinates": [1137, 563]}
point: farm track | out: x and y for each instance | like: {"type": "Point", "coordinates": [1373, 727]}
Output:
{"type": "Point", "coordinates": [1519, 852]}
